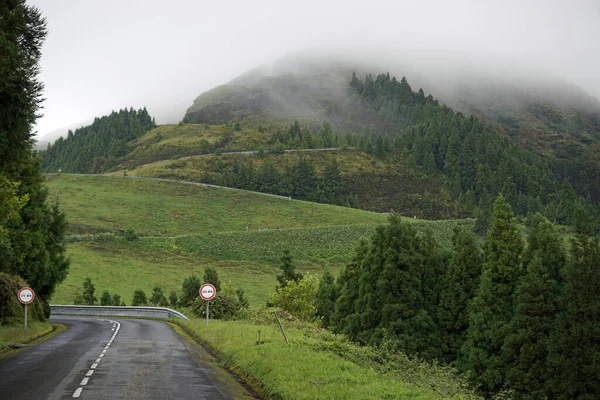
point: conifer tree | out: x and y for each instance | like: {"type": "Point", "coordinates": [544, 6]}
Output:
{"type": "Point", "coordinates": [492, 308]}
{"type": "Point", "coordinates": [574, 347]}
{"type": "Point", "coordinates": [139, 298]}
{"type": "Point", "coordinates": [536, 305]}
{"type": "Point", "coordinates": [460, 283]}
{"type": "Point", "coordinates": [326, 297]}
{"type": "Point", "coordinates": [288, 270]}
{"type": "Point", "coordinates": [31, 243]}
{"type": "Point", "coordinates": [211, 276]}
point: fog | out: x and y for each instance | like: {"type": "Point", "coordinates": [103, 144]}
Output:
{"type": "Point", "coordinates": [102, 55]}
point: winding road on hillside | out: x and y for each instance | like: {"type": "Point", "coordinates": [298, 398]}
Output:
{"type": "Point", "coordinates": [98, 358]}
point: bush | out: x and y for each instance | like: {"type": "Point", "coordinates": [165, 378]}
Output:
{"type": "Point", "coordinates": [298, 298]}
{"type": "Point", "coordinates": [12, 312]}
{"type": "Point", "coordinates": [190, 291]}
{"type": "Point", "coordinates": [139, 298]}
{"type": "Point", "coordinates": [227, 304]}
{"type": "Point", "coordinates": [129, 234]}
{"type": "Point", "coordinates": [158, 299]}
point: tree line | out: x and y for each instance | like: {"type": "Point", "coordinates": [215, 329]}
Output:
{"type": "Point", "coordinates": [97, 147]}
{"type": "Point", "coordinates": [299, 180]}
{"type": "Point", "coordinates": [516, 315]}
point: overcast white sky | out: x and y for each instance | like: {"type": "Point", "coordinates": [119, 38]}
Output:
{"type": "Point", "coordinates": [102, 55]}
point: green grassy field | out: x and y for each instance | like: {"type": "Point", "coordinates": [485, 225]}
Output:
{"type": "Point", "coordinates": [193, 227]}
{"type": "Point", "coordinates": [95, 204]}
{"type": "Point", "coordinates": [319, 365]}
{"type": "Point", "coordinates": [121, 269]}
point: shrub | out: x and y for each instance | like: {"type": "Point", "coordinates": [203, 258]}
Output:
{"type": "Point", "coordinates": [158, 299]}
{"type": "Point", "coordinates": [139, 298]}
{"type": "Point", "coordinates": [226, 305]}
{"type": "Point", "coordinates": [190, 290]}
{"type": "Point", "coordinates": [298, 298]}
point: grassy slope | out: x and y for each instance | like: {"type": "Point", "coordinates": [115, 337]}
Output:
{"type": "Point", "coordinates": [163, 208]}
{"type": "Point", "coordinates": [194, 227]}
{"type": "Point", "coordinates": [319, 365]}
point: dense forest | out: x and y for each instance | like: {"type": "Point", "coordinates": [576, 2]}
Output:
{"type": "Point", "coordinates": [518, 316]}
{"type": "Point", "coordinates": [96, 148]}
{"type": "Point", "coordinates": [477, 163]}
{"type": "Point", "coordinates": [32, 251]}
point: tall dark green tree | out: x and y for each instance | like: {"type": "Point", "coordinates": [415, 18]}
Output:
{"type": "Point", "coordinates": [326, 297]}
{"type": "Point", "coordinates": [492, 308]}
{"type": "Point", "coordinates": [382, 293]}
{"type": "Point", "coordinates": [32, 244]}
{"type": "Point", "coordinates": [288, 270]}
{"type": "Point", "coordinates": [574, 348]}
{"type": "Point", "coordinates": [459, 285]}
{"type": "Point", "coordinates": [211, 276]}
{"type": "Point", "coordinates": [190, 291]}
{"type": "Point", "coordinates": [536, 306]}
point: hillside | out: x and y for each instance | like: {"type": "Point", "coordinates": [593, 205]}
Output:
{"type": "Point", "coordinates": [369, 142]}
{"type": "Point", "coordinates": [188, 227]}
{"type": "Point", "coordinates": [546, 115]}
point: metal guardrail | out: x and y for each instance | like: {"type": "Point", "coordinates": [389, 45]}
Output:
{"type": "Point", "coordinates": [114, 311]}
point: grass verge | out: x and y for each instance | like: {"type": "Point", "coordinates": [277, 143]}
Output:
{"type": "Point", "coordinates": [320, 365]}
{"type": "Point", "coordinates": [36, 332]}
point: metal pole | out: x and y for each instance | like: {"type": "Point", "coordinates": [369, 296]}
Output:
{"type": "Point", "coordinates": [25, 316]}
{"type": "Point", "coordinates": [207, 312]}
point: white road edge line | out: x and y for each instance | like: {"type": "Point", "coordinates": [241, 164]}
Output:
{"type": "Point", "coordinates": [77, 393]}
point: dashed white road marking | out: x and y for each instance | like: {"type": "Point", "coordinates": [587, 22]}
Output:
{"type": "Point", "coordinates": [85, 380]}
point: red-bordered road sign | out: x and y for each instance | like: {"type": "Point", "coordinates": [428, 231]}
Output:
{"type": "Point", "coordinates": [26, 295]}
{"type": "Point", "coordinates": [208, 291]}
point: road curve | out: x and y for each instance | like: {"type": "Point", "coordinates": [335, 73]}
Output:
{"type": "Point", "coordinates": [115, 358]}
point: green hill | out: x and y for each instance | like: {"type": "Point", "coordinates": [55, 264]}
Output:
{"type": "Point", "coordinates": [410, 153]}
{"type": "Point", "coordinates": [189, 227]}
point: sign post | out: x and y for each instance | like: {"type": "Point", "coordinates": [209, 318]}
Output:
{"type": "Point", "coordinates": [207, 293]}
{"type": "Point", "coordinates": [26, 296]}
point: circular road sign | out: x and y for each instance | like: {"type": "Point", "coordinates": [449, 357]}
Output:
{"type": "Point", "coordinates": [26, 295]}
{"type": "Point", "coordinates": [208, 291]}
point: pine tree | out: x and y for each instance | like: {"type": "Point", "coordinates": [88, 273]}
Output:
{"type": "Point", "coordinates": [139, 298]}
{"type": "Point", "coordinates": [326, 297]}
{"type": "Point", "coordinates": [88, 292]}
{"type": "Point", "coordinates": [460, 283]}
{"type": "Point", "coordinates": [526, 347]}
{"type": "Point", "coordinates": [288, 270]}
{"type": "Point", "coordinates": [106, 299]}
{"type": "Point", "coordinates": [158, 298]}
{"type": "Point", "coordinates": [345, 319]}
{"type": "Point", "coordinates": [492, 308]}
{"type": "Point", "coordinates": [574, 348]}
{"type": "Point", "coordinates": [190, 291]}
{"type": "Point", "coordinates": [173, 299]}
{"type": "Point", "coordinates": [211, 276]}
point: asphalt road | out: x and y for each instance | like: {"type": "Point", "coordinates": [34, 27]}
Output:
{"type": "Point", "coordinates": [115, 359]}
